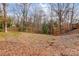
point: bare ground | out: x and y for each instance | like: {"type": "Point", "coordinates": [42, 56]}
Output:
{"type": "Point", "coordinates": [28, 44]}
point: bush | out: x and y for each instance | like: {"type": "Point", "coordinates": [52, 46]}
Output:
{"type": "Point", "coordinates": [22, 26]}
{"type": "Point", "coordinates": [45, 28]}
{"type": "Point", "coordinates": [1, 28]}
{"type": "Point", "coordinates": [9, 23]}
{"type": "Point", "coordinates": [1, 25]}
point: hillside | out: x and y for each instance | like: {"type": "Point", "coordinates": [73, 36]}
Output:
{"type": "Point", "coordinates": [19, 43]}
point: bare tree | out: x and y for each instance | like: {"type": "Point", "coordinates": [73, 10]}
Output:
{"type": "Point", "coordinates": [21, 15]}
{"type": "Point", "coordinates": [5, 16]}
{"type": "Point", "coordinates": [72, 16]}
{"type": "Point", "coordinates": [25, 10]}
{"type": "Point", "coordinates": [60, 11]}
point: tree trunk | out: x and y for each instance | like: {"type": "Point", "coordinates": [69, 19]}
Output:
{"type": "Point", "coordinates": [5, 18]}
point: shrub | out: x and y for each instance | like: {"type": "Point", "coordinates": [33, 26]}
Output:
{"type": "Point", "coordinates": [45, 28]}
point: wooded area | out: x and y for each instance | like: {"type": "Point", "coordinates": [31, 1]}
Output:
{"type": "Point", "coordinates": [28, 17]}
{"type": "Point", "coordinates": [39, 29]}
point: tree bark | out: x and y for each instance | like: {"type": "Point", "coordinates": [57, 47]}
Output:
{"type": "Point", "coordinates": [5, 18]}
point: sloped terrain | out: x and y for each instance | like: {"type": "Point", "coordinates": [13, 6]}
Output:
{"type": "Point", "coordinates": [20, 43]}
{"type": "Point", "coordinates": [76, 31]}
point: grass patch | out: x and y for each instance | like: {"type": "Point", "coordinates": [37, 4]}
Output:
{"type": "Point", "coordinates": [4, 35]}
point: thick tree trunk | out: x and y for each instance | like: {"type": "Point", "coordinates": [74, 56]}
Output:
{"type": "Point", "coordinates": [5, 18]}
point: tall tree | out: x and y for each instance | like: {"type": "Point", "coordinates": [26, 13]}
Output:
{"type": "Point", "coordinates": [72, 16]}
{"type": "Point", "coordinates": [25, 10]}
{"type": "Point", "coordinates": [60, 11]}
{"type": "Point", "coordinates": [5, 16]}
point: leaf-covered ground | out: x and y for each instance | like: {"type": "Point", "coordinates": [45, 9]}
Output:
{"type": "Point", "coordinates": [20, 43]}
